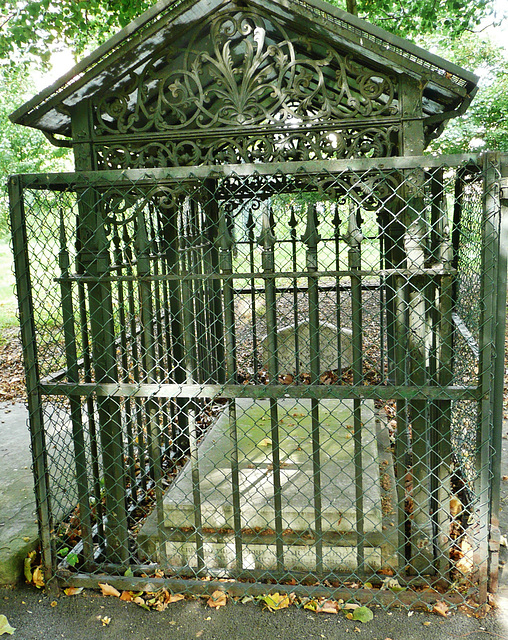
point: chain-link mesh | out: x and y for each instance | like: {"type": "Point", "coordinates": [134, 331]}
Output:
{"type": "Point", "coordinates": [281, 379]}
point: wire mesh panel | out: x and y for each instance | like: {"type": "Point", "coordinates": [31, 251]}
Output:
{"type": "Point", "coordinates": [279, 376]}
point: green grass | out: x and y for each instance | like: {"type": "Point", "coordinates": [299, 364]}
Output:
{"type": "Point", "coordinates": [8, 302]}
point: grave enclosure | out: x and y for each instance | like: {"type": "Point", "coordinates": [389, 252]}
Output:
{"type": "Point", "coordinates": [263, 333]}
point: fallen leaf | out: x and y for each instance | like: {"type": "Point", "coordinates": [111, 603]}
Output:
{"type": "Point", "coordinates": [38, 578]}
{"type": "Point", "coordinates": [362, 614]}
{"type": "Point", "coordinates": [108, 590]}
{"type": "Point", "coordinates": [5, 627]}
{"type": "Point", "coordinates": [174, 597]}
{"type": "Point", "coordinates": [351, 606]}
{"type": "Point", "coordinates": [73, 591]}
{"type": "Point", "coordinates": [329, 606]}
{"type": "Point", "coordinates": [105, 621]}
{"type": "Point", "coordinates": [54, 604]}
{"type": "Point", "coordinates": [199, 633]}
{"type": "Point", "coordinates": [441, 608]}
{"type": "Point", "coordinates": [217, 599]}
{"type": "Point", "coordinates": [275, 601]}
{"type": "Point", "coordinates": [126, 596]}
{"type": "Point", "coordinates": [426, 624]}
{"type": "Point", "coordinates": [266, 442]}
{"type": "Point", "coordinates": [141, 603]}
{"type": "Point", "coordinates": [28, 569]}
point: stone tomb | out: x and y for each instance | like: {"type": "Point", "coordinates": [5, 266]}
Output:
{"type": "Point", "coordinates": [288, 338]}
{"type": "Point", "coordinates": [256, 491]}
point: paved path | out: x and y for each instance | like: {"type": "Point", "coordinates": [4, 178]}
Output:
{"type": "Point", "coordinates": [18, 523]}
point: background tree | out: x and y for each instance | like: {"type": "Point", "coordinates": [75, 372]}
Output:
{"type": "Point", "coordinates": [485, 123]}
{"type": "Point", "coordinates": [31, 28]}
{"type": "Point", "coordinates": [22, 150]}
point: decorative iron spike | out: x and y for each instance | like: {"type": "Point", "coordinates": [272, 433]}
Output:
{"type": "Point", "coordinates": [63, 258]}
{"type": "Point", "coordinates": [311, 236]}
{"type": "Point", "coordinates": [292, 218]}
{"type": "Point", "coordinates": [250, 221]}
{"type": "Point", "coordinates": [336, 220]}
{"type": "Point", "coordinates": [266, 237]}
{"type": "Point", "coordinates": [354, 235]}
{"type": "Point", "coordinates": [224, 239]}
{"type": "Point", "coordinates": [142, 241]}
{"type": "Point", "coordinates": [127, 245]}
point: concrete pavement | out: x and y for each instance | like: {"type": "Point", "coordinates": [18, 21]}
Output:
{"type": "Point", "coordinates": [36, 616]}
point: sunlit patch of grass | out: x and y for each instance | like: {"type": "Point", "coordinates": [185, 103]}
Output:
{"type": "Point", "coordinates": [8, 302]}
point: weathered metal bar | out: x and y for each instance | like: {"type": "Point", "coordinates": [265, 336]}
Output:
{"type": "Point", "coordinates": [196, 490]}
{"type": "Point", "coordinates": [402, 462]}
{"type": "Point", "coordinates": [502, 262]}
{"type": "Point", "coordinates": [136, 361]}
{"type": "Point", "coordinates": [340, 392]}
{"type": "Point", "coordinates": [275, 275]}
{"type": "Point", "coordinates": [214, 286]}
{"type": "Point", "coordinates": [338, 320]}
{"type": "Point", "coordinates": [90, 405]}
{"type": "Point", "coordinates": [95, 259]}
{"type": "Point", "coordinates": [30, 359]}
{"type": "Point", "coordinates": [207, 587]}
{"type": "Point", "coordinates": [177, 369]}
{"type": "Point", "coordinates": [486, 365]}
{"type": "Point", "coordinates": [267, 242]}
{"type": "Point", "coordinates": [226, 243]}
{"type": "Point", "coordinates": [253, 300]}
{"type": "Point", "coordinates": [78, 438]}
{"type": "Point", "coordinates": [294, 260]}
{"type": "Point", "coordinates": [160, 326]}
{"type": "Point", "coordinates": [311, 239]}
{"type": "Point", "coordinates": [195, 266]}
{"type": "Point", "coordinates": [303, 168]}
{"type": "Point", "coordinates": [149, 367]}
{"type": "Point", "coordinates": [124, 365]}
{"type": "Point", "coordinates": [354, 239]}
{"type": "Point", "coordinates": [440, 301]}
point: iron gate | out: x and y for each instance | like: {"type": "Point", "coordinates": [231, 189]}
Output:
{"type": "Point", "coordinates": [288, 376]}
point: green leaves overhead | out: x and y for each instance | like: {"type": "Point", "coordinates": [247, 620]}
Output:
{"type": "Point", "coordinates": [409, 19]}
{"type": "Point", "coordinates": [30, 30]}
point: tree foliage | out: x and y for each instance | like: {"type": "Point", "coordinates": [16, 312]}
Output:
{"type": "Point", "coordinates": [31, 28]}
{"type": "Point", "coordinates": [484, 126]}
{"type": "Point", "coordinates": [22, 150]}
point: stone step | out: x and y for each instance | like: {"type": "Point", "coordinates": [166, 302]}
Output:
{"type": "Point", "coordinates": [212, 474]}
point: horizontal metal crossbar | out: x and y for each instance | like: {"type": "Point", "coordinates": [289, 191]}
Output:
{"type": "Point", "coordinates": [396, 392]}
{"type": "Point", "coordinates": [362, 165]}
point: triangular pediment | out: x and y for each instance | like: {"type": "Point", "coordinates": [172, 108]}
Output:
{"type": "Point", "coordinates": [216, 64]}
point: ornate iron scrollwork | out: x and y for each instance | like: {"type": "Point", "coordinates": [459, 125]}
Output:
{"type": "Point", "coordinates": [244, 70]}
{"type": "Point", "coordinates": [274, 147]}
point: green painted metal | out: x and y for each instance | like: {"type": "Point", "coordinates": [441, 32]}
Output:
{"type": "Point", "coordinates": [75, 404]}
{"type": "Point", "coordinates": [30, 357]}
{"type": "Point", "coordinates": [311, 240]}
{"type": "Point", "coordinates": [191, 298]}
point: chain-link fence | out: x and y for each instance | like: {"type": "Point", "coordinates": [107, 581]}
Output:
{"type": "Point", "coordinates": [265, 378]}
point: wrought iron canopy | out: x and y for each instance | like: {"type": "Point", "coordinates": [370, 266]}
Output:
{"type": "Point", "coordinates": [259, 80]}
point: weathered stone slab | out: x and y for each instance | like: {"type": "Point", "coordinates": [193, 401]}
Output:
{"type": "Point", "coordinates": [289, 338]}
{"type": "Point", "coordinates": [256, 484]}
